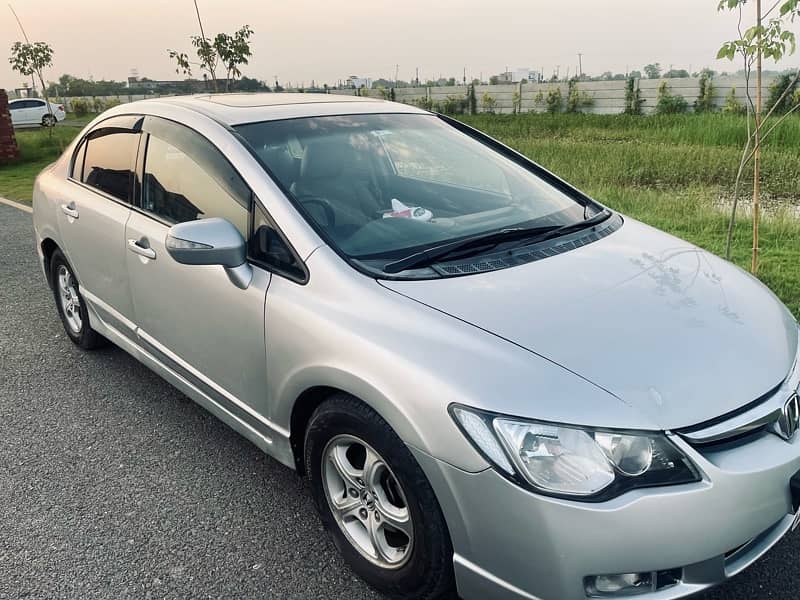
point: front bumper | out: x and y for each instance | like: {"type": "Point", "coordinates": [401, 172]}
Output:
{"type": "Point", "coordinates": [511, 543]}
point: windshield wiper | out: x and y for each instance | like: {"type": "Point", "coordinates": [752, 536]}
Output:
{"type": "Point", "coordinates": [531, 235]}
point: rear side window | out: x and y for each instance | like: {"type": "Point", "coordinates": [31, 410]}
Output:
{"type": "Point", "coordinates": [187, 178]}
{"type": "Point", "coordinates": [108, 162]}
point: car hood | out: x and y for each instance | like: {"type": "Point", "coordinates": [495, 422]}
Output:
{"type": "Point", "coordinates": [680, 334]}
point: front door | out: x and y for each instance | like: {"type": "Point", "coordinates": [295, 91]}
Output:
{"type": "Point", "coordinates": [192, 317]}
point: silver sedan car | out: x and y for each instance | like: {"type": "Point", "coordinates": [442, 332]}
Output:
{"type": "Point", "coordinates": [495, 386]}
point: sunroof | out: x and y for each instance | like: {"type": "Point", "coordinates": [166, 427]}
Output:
{"type": "Point", "coordinates": [272, 99]}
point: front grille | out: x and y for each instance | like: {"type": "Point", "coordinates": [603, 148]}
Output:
{"type": "Point", "coordinates": [752, 420]}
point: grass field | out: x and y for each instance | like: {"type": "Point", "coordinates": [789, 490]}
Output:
{"type": "Point", "coordinates": [669, 171]}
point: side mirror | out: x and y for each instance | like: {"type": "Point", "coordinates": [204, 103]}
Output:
{"type": "Point", "coordinates": [212, 241]}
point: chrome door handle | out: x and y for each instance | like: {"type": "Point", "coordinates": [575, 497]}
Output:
{"type": "Point", "coordinates": [70, 210]}
{"type": "Point", "coordinates": [136, 247]}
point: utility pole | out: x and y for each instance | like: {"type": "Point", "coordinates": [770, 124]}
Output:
{"type": "Point", "coordinates": [580, 65]}
{"type": "Point", "coordinates": [396, 71]}
{"type": "Point", "coordinates": [417, 79]}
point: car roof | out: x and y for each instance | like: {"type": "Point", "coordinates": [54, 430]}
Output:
{"type": "Point", "coordinates": [238, 108]}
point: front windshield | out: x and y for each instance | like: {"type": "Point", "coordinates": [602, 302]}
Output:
{"type": "Point", "coordinates": [383, 185]}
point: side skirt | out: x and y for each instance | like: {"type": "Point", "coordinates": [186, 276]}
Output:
{"type": "Point", "coordinates": [270, 438]}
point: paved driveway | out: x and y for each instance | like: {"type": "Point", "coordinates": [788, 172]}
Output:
{"type": "Point", "coordinates": [115, 485]}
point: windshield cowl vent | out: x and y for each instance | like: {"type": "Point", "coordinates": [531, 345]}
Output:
{"type": "Point", "coordinates": [527, 254]}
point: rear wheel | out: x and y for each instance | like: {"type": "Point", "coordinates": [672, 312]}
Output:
{"type": "Point", "coordinates": [49, 120]}
{"type": "Point", "coordinates": [71, 305]}
{"type": "Point", "coordinates": [376, 502]}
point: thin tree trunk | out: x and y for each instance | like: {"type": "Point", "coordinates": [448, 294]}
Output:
{"type": "Point", "coordinates": [203, 35]}
{"type": "Point", "coordinates": [757, 149]}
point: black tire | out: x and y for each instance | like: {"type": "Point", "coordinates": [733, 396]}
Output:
{"type": "Point", "coordinates": [49, 120]}
{"type": "Point", "coordinates": [86, 337]}
{"type": "Point", "coordinates": [427, 574]}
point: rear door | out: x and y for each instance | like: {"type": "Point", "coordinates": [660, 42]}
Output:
{"type": "Point", "coordinates": [37, 110]}
{"type": "Point", "coordinates": [92, 214]}
{"type": "Point", "coordinates": [192, 317]}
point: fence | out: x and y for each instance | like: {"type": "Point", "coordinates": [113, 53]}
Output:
{"type": "Point", "coordinates": [606, 97]}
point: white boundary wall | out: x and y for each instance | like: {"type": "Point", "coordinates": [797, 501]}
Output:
{"type": "Point", "coordinates": [608, 97]}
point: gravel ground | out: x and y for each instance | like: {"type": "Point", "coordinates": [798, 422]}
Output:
{"type": "Point", "coordinates": [115, 485]}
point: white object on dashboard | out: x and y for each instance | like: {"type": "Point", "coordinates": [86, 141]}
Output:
{"type": "Point", "coordinates": [401, 211]}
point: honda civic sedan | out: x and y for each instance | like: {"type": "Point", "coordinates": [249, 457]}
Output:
{"type": "Point", "coordinates": [34, 111]}
{"type": "Point", "coordinates": [495, 385]}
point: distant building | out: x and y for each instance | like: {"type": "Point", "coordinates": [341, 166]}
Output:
{"type": "Point", "coordinates": [504, 77]}
{"type": "Point", "coordinates": [525, 74]}
{"type": "Point", "coordinates": [354, 81]}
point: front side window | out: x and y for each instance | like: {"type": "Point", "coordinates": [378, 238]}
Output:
{"type": "Point", "coordinates": [107, 162]}
{"type": "Point", "coordinates": [382, 185]}
{"type": "Point", "coordinates": [186, 178]}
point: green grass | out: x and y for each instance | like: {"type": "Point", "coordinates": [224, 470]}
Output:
{"type": "Point", "coordinates": [36, 150]}
{"type": "Point", "coordinates": [668, 171]}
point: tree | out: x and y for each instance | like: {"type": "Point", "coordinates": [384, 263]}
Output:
{"type": "Point", "coordinates": [248, 84]}
{"type": "Point", "coordinates": [635, 74]}
{"type": "Point", "coordinates": [230, 50]}
{"type": "Point", "coordinates": [233, 51]}
{"type": "Point", "coordinates": [768, 37]}
{"type": "Point", "coordinates": [676, 74]}
{"type": "Point", "coordinates": [653, 70]}
{"type": "Point", "coordinates": [30, 59]}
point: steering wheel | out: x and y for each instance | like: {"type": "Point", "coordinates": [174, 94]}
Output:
{"type": "Point", "coordinates": [323, 203]}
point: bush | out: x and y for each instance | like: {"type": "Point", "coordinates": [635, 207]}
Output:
{"type": "Point", "coordinates": [705, 99]}
{"type": "Point", "coordinates": [668, 104]}
{"type": "Point", "coordinates": [787, 102]}
{"type": "Point", "coordinates": [424, 103]}
{"type": "Point", "coordinates": [98, 105]}
{"type": "Point", "coordinates": [577, 99]}
{"type": "Point", "coordinates": [633, 98]}
{"type": "Point", "coordinates": [80, 107]}
{"type": "Point", "coordinates": [488, 103]}
{"type": "Point", "coordinates": [538, 100]}
{"type": "Point", "coordinates": [732, 105]}
{"type": "Point", "coordinates": [516, 102]}
{"type": "Point", "coordinates": [472, 100]}
{"type": "Point", "coordinates": [553, 101]}
{"type": "Point", "coordinates": [455, 105]}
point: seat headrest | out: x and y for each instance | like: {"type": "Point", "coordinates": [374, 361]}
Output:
{"type": "Point", "coordinates": [325, 159]}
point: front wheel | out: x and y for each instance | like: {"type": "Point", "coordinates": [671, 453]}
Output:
{"type": "Point", "coordinates": [49, 120]}
{"type": "Point", "coordinates": [376, 503]}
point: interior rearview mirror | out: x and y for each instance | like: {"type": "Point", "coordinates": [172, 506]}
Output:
{"type": "Point", "coordinates": [212, 241]}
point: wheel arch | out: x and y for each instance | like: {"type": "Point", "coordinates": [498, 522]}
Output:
{"type": "Point", "coordinates": [329, 382]}
{"type": "Point", "coordinates": [49, 246]}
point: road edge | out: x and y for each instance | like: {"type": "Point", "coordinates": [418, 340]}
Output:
{"type": "Point", "coordinates": [17, 205]}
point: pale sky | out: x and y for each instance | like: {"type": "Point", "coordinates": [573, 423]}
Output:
{"type": "Point", "coordinates": [304, 40]}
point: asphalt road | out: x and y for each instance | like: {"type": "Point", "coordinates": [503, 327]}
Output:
{"type": "Point", "coordinates": [115, 485]}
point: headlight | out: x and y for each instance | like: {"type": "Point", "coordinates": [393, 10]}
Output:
{"type": "Point", "coordinates": [574, 462]}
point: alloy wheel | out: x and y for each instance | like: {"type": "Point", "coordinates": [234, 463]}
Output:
{"type": "Point", "coordinates": [367, 501]}
{"type": "Point", "coordinates": [69, 299]}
